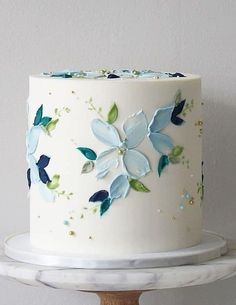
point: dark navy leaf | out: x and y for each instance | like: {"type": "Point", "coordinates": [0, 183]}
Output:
{"type": "Point", "coordinates": [39, 115]}
{"type": "Point", "coordinates": [44, 176]}
{"type": "Point", "coordinates": [163, 162]}
{"type": "Point", "coordinates": [105, 206]}
{"type": "Point", "coordinates": [45, 120]}
{"type": "Point", "coordinates": [111, 75]}
{"type": "Point", "coordinates": [177, 74]}
{"type": "Point", "coordinates": [43, 161]}
{"type": "Point", "coordinates": [176, 111]}
{"type": "Point", "coordinates": [99, 196]}
{"type": "Point", "coordinates": [88, 153]}
{"type": "Point", "coordinates": [28, 177]}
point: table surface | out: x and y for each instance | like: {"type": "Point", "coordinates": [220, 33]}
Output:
{"type": "Point", "coordinates": [121, 280]}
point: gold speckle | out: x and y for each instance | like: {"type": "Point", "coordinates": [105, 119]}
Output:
{"type": "Point", "coordinates": [173, 218]}
{"type": "Point", "coordinates": [73, 92]}
{"type": "Point", "coordinates": [82, 216]}
{"type": "Point", "coordinates": [72, 233]}
{"type": "Point", "coordinates": [90, 237]}
{"type": "Point", "coordinates": [191, 201]}
{"type": "Point", "coordinates": [71, 217]}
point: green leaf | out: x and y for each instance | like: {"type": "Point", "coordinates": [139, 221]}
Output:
{"type": "Point", "coordinates": [113, 114]}
{"type": "Point", "coordinates": [105, 205]}
{"type": "Point", "coordinates": [174, 160]}
{"type": "Point", "coordinates": [51, 125]}
{"type": "Point", "coordinates": [54, 182]}
{"type": "Point", "coordinates": [38, 116]}
{"type": "Point", "coordinates": [138, 186]}
{"type": "Point", "coordinates": [87, 167]}
{"type": "Point", "coordinates": [176, 150]}
{"type": "Point", "coordinates": [178, 97]}
{"type": "Point", "coordinates": [45, 120]}
{"type": "Point", "coordinates": [163, 162]}
{"type": "Point", "coordinates": [88, 153]}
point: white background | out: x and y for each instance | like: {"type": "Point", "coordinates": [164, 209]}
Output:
{"type": "Point", "coordinates": [176, 35]}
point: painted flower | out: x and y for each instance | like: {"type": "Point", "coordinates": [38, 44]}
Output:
{"type": "Point", "coordinates": [135, 163]}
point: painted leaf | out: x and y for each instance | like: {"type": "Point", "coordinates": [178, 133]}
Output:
{"type": "Point", "coordinates": [136, 164]}
{"type": "Point", "coordinates": [28, 178]}
{"type": "Point", "coordinates": [87, 167]}
{"type": "Point", "coordinates": [178, 97]}
{"type": "Point", "coordinates": [99, 196]}
{"type": "Point", "coordinates": [105, 133]}
{"type": "Point", "coordinates": [43, 161]}
{"type": "Point", "coordinates": [138, 186]}
{"type": "Point", "coordinates": [119, 187]}
{"type": "Point", "coordinates": [112, 114]}
{"type": "Point", "coordinates": [106, 161]}
{"type": "Point", "coordinates": [161, 142]}
{"type": "Point", "coordinates": [44, 176]}
{"type": "Point", "coordinates": [38, 116]}
{"type": "Point", "coordinates": [174, 160]}
{"type": "Point", "coordinates": [54, 183]}
{"type": "Point", "coordinates": [105, 205]}
{"type": "Point", "coordinates": [135, 129]}
{"type": "Point", "coordinates": [45, 120]}
{"type": "Point", "coordinates": [177, 110]}
{"type": "Point", "coordinates": [177, 150]}
{"type": "Point", "coordinates": [88, 153]}
{"type": "Point", "coordinates": [51, 125]}
{"type": "Point", "coordinates": [161, 119]}
{"type": "Point", "coordinates": [163, 162]}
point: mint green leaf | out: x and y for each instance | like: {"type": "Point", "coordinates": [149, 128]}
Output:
{"type": "Point", "coordinates": [38, 116]}
{"type": "Point", "coordinates": [173, 159]}
{"type": "Point", "coordinates": [138, 186]}
{"type": "Point", "coordinates": [54, 182]}
{"type": "Point", "coordinates": [45, 120]}
{"type": "Point", "coordinates": [163, 162]}
{"type": "Point", "coordinates": [51, 125]}
{"type": "Point", "coordinates": [176, 150]}
{"type": "Point", "coordinates": [113, 114]}
{"type": "Point", "coordinates": [88, 153]}
{"type": "Point", "coordinates": [87, 167]}
{"type": "Point", "coordinates": [178, 97]}
{"type": "Point", "coordinates": [105, 205]}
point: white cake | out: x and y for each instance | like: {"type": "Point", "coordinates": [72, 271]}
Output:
{"type": "Point", "coordinates": [115, 164]}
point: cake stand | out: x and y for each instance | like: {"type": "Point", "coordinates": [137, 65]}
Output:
{"type": "Point", "coordinates": [124, 286]}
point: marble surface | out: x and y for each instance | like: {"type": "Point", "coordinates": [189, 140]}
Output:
{"type": "Point", "coordinates": [120, 280]}
{"type": "Point", "coordinates": [18, 247]}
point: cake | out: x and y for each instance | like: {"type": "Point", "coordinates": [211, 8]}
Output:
{"type": "Point", "coordinates": [114, 161]}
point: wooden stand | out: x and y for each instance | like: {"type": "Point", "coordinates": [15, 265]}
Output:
{"type": "Point", "coordinates": [119, 297]}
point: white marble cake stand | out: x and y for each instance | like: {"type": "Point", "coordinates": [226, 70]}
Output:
{"type": "Point", "coordinates": [121, 287]}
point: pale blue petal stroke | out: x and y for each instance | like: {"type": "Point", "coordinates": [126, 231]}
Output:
{"type": "Point", "coordinates": [105, 161]}
{"type": "Point", "coordinates": [119, 187]}
{"type": "Point", "coordinates": [136, 164]}
{"type": "Point", "coordinates": [34, 171]}
{"type": "Point", "coordinates": [47, 194]}
{"type": "Point", "coordinates": [161, 142]}
{"type": "Point", "coordinates": [32, 139]}
{"type": "Point", "coordinates": [135, 128]}
{"type": "Point", "coordinates": [105, 133]}
{"type": "Point", "coordinates": [161, 119]}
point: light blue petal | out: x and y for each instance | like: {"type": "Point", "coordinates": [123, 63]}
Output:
{"type": "Point", "coordinates": [161, 142]}
{"type": "Point", "coordinates": [136, 164]}
{"type": "Point", "coordinates": [135, 128]}
{"type": "Point", "coordinates": [32, 139]}
{"type": "Point", "coordinates": [47, 194]}
{"type": "Point", "coordinates": [161, 119]}
{"type": "Point", "coordinates": [105, 161]}
{"type": "Point", "coordinates": [119, 187]}
{"type": "Point", "coordinates": [34, 171]}
{"type": "Point", "coordinates": [105, 133]}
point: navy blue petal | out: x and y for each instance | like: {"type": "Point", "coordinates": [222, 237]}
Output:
{"type": "Point", "coordinates": [44, 176]}
{"type": "Point", "coordinates": [43, 161]}
{"type": "Point", "coordinates": [105, 206]}
{"type": "Point", "coordinates": [177, 74]}
{"type": "Point", "coordinates": [38, 117]}
{"type": "Point", "coordinates": [176, 111]}
{"type": "Point", "coordinates": [111, 75]}
{"type": "Point", "coordinates": [28, 177]}
{"type": "Point", "coordinates": [99, 196]}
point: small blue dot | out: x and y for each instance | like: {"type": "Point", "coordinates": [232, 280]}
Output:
{"type": "Point", "coordinates": [181, 206]}
{"type": "Point", "coordinates": [66, 223]}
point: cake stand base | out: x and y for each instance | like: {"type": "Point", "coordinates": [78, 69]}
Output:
{"type": "Point", "coordinates": [212, 246]}
{"type": "Point", "coordinates": [119, 297]}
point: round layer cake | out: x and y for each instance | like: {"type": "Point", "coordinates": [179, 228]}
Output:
{"type": "Point", "coordinates": [115, 163]}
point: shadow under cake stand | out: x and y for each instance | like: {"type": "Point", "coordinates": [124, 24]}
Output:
{"type": "Point", "coordinates": [121, 286]}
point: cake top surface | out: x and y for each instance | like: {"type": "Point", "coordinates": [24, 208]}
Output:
{"type": "Point", "coordinates": [122, 74]}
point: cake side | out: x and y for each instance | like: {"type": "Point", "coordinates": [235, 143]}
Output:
{"type": "Point", "coordinates": [115, 165]}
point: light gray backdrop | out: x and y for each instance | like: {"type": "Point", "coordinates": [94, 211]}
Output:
{"type": "Point", "coordinates": [178, 35]}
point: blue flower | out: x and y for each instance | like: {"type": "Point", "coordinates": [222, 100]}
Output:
{"type": "Point", "coordinates": [162, 143]}
{"type": "Point", "coordinates": [135, 163]}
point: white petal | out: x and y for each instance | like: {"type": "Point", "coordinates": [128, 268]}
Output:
{"type": "Point", "coordinates": [136, 164]}
{"type": "Point", "coordinates": [135, 128]}
{"type": "Point", "coordinates": [161, 142]}
{"type": "Point", "coordinates": [105, 133]}
{"type": "Point", "coordinates": [32, 139]}
{"type": "Point", "coordinates": [47, 194]}
{"type": "Point", "coordinates": [34, 171]}
{"type": "Point", "coordinates": [119, 187]}
{"type": "Point", "coordinates": [105, 161]}
{"type": "Point", "coordinates": [161, 119]}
